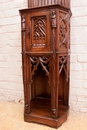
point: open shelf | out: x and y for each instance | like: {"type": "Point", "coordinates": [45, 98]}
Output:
{"type": "Point", "coordinates": [41, 109]}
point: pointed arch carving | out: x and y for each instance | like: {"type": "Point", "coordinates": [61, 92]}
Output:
{"type": "Point", "coordinates": [43, 61]}
{"type": "Point", "coordinates": [64, 65]}
{"type": "Point", "coordinates": [63, 30]}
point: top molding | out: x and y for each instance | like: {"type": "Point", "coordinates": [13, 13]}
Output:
{"type": "Point", "coordinates": [40, 3]}
{"type": "Point", "coordinates": [56, 6]}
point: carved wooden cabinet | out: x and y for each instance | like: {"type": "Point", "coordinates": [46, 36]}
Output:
{"type": "Point", "coordinates": [45, 56]}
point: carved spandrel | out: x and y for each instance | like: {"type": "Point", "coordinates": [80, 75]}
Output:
{"type": "Point", "coordinates": [63, 65]}
{"type": "Point", "coordinates": [43, 61]}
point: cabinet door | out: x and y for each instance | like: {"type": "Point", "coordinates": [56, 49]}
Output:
{"type": "Point", "coordinates": [38, 31]}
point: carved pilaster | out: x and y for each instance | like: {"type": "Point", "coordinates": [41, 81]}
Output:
{"type": "Point", "coordinates": [53, 26]}
{"type": "Point", "coordinates": [23, 23]}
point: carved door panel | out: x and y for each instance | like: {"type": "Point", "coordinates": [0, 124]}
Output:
{"type": "Point", "coordinates": [38, 31]}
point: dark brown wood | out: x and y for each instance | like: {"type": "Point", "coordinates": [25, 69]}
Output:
{"type": "Point", "coordinates": [37, 3]}
{"type": "Point", "coordinates": [45, 58]}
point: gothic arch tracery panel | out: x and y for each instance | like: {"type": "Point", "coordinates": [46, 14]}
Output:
{"type": "Point", "coordinates": [43, 61]}
{"type": "Point", "coordinates": [64, 65]}
{"type": "Point", "coordinates": [39, 28]}
{"type": "Point", "coordinates": [63, 30]}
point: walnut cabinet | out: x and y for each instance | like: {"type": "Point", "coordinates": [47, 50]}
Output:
{"type": "Point", "coordinates": [45, 57]}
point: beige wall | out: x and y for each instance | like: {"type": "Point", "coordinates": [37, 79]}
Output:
{"type": "Point", "coordinates": [11, 86]}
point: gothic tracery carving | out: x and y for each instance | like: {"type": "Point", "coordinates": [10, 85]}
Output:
{"type": "Point", "coordinates": [63, 40]}
{"type": "Point", "coordinates": [39, 28]}
{"type": "Point", "coordinates": [43, 61]}
{"type": "Point", "coordinates": [63, 65]}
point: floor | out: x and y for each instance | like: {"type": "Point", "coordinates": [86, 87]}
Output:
{"type": "Point", "coordinates": [11, 118]}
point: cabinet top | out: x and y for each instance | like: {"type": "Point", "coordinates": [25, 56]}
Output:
{"type": "Point", "coordinates": [47, 7]}
{"type": "Point", "coordinates": [38, 3]}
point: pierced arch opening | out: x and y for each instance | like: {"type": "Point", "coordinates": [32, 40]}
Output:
{"type": "Point", "coordinates": [40, 87]}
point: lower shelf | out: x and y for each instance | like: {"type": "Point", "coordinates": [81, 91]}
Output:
{"type": "Point", "coordinates": [41, 113]}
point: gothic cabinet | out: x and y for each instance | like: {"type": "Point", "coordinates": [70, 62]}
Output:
{"type": "Point", "coordinates": [45, 56]}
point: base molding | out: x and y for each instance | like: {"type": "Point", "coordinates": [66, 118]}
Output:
{"type": "Point", "coordinates": [55, 123]}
